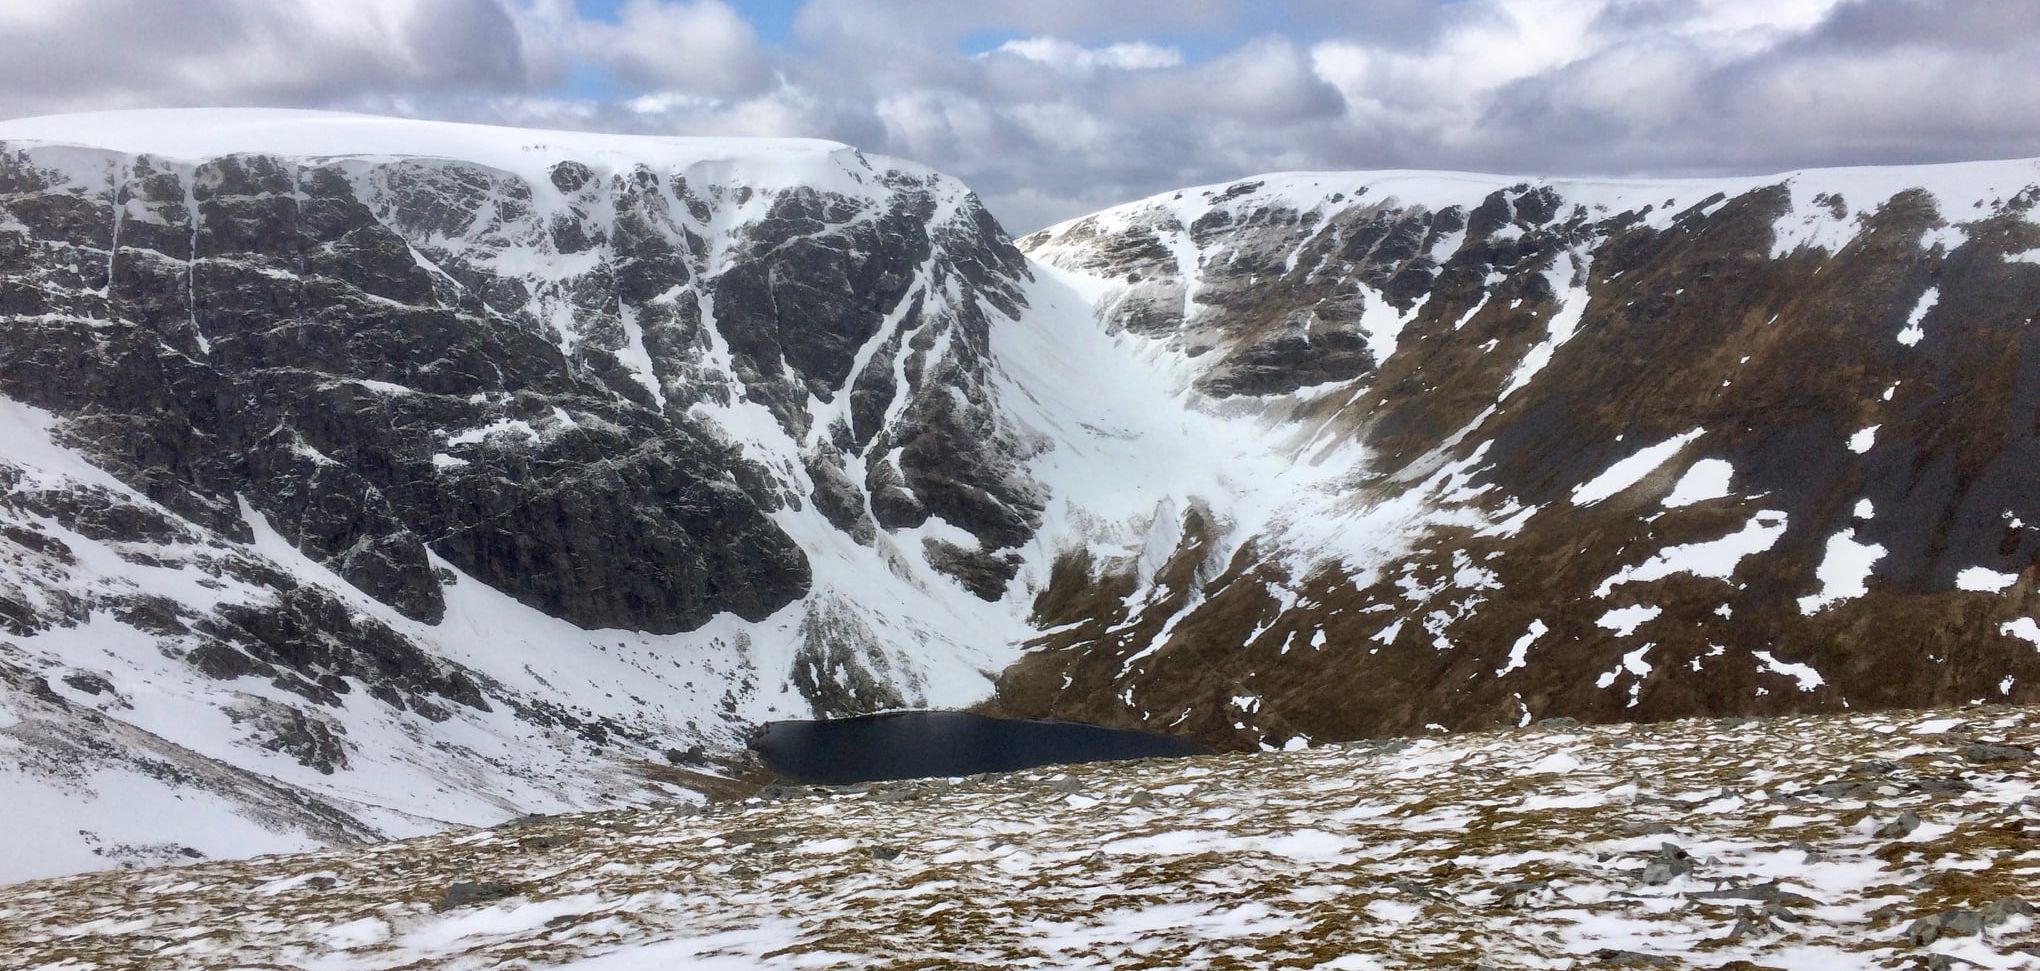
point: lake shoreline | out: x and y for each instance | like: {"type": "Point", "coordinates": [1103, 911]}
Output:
{"type": "Point", "coordinates": [892, 746]}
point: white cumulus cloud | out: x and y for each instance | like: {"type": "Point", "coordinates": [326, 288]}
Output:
{"type": "Point", "coordinates": [1054, 107]}
{"type": "Point", "coordinates": [1075, 58]}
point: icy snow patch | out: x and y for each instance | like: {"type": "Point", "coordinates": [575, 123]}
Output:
{"type": "Point", "coordinates": [516, 426]}
{"type": "Point", "coordinates": [1625, 620]}
{"type": "Point", "coordinates": [1631, 470]}
{"type": "Point", "coordinates": [2024, 628]}
{"type": "Point", "coordinates": [1520, 651]}
{"type": "Point", "coordinates": [1843, 572]}
{"type": "Point", "coordinates": [1564, 322]}
{"type": "Point", "coordinates": [1632, 662]}
{"type": "Point", "coordinates": [1913, 331]}
{"type": "Point", "coordinates": [1704, 480]}
{"type": "Point", "coordinates": [1713, 558]}
{"type": "Point", "coordinates": [1860, 442]}
{"type": "Point", "coordinates": [354, 934]}
{"type": "Point", "coordinates": [1555, 763]}
{"type": "Point", "coordinates": [202, 133]}
{"type": "Point", "coordinates": [1807, 677]}
{"type": "Point", "coordinates": [1984, 580]}
{"type": "Point", "coordinates": [1382, 323]}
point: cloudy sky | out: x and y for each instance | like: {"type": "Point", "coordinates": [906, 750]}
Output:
{"type": "Point", "coordinates": [1051, 108]}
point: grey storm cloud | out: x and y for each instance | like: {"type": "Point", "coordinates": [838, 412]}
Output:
{"type": "Point", "coordinates": [1894, 81]}
{"type": "Point", "coordinates": [1090, 102]}
{"type": "Point", "coordinates": [78, 55]}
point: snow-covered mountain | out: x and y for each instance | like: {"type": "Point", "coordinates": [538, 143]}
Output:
{"type": "Point", "coordinates": [363, 476]}
{"type": "Point", "coordinates": [366, 476]}
{"type": "Point", "coordinates": [1613, 450]}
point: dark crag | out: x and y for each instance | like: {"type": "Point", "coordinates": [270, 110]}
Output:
{"type": "Point", "coordinates": [925, 744]}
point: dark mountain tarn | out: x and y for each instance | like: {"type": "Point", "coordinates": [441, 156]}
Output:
{"type": "Point", "coordinates": [936, 744]}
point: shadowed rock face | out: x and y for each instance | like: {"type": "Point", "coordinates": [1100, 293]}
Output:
{"type": "Point", "coordinates": [1870, 391]}
{"type": "Point", "coordinates": [941, 744]}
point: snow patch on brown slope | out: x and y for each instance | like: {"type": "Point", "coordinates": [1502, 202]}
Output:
{"type": "Point", "coordinates": [1544, 362]}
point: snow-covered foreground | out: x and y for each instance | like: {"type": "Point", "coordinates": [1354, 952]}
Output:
{"type": "Point", "coordinates": [1857, 841]}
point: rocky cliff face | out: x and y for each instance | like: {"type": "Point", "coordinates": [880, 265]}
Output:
{"type": "Point", "coordinates": [389, 355]}
{"type": "Point", "coordinates": [320, 459]}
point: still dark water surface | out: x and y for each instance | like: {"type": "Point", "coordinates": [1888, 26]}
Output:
{"type": "Point", "coordinates": [937, 744]}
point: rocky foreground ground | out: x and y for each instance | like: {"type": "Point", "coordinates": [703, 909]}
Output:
{"type": "Point", "coordinates": [1890, 840]}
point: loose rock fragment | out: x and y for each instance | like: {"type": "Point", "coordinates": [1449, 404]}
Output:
{"type": "Point", "coordinates": [1669, 863]}
{"type": "Point", "coordinates": [1962, 922]}
{"type": "Point", "coordinates": [464, 894]}
{"type": "Point", "coordinates": [1986, 753]}
{"type": "Point", "coordinates": [1902, 826]}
